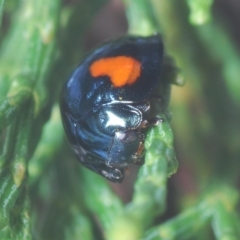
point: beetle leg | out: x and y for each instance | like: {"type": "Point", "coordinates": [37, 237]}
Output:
{"type": "Point", "coordinates": [151, 122]}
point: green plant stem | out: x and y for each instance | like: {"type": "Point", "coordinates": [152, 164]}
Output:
{"type": "Point", "coordinates": [20, 220]}
{"type": "Point", "coordinates": [200, 11]}
{"type": "Point", "coordinates": [25, 60]}
{"type": "Point", "coordinates": [14, 175]}
{"type": "Point", "coordinates": [182, 227]}
{"type": "Point", "coordinates": [223, 200]}
{"type": "Point", "coordinates": [9, 146]}
{"type": "Point", "coordinates": [225, 223]}
{"type": "Point", "coordinates": [228, 57]}
{"type": "Point", "coordinates": [9, 107]}
{"type": "Point", "coordinates": [140, 18]}
{"type": "Point", "coordinates": [26, 56]}
{"type": "Point", "coordinates": [150, 189]}
{"type": "Point", "coordinates": [160, 162]}
{"type": "Point", "coordinates": [217, 205]}
{"type": "Point", "coordinates": [100, 199]}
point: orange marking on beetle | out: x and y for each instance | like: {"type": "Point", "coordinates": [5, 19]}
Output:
{"type": "Point", "coordinates": [121, 70]}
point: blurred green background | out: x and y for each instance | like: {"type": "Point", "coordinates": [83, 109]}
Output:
{"type": "Point", "coordinates": [44, 191]}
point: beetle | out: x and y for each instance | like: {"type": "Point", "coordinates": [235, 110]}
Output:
{"type": "Point", "coordinates": [110, 100]}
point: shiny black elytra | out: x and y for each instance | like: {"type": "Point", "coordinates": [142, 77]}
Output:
{"type": "Point", "coordinates": [110, 99]}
